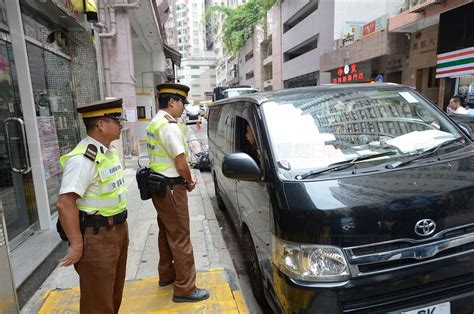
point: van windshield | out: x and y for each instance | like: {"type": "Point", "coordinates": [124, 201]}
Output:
{"type": "Point", "coordinates": [311, 129]}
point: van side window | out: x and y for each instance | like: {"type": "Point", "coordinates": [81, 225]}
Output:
{"type": "Point", "coordinates": [245, 139]}
{"type": "Point", "coordinates": [213, 118]}
{"type": "Point", "coordinates": [223, 137]}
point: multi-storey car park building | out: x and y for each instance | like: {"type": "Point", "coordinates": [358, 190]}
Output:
{"type": "Point", "coordinates": [311, 28]}
{"type": "Point", "coordinates": [285, 50]}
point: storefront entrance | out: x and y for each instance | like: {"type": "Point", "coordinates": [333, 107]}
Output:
{"type": "Point", "coordinates": [16, 183]}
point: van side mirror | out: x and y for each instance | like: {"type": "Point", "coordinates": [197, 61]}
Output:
{"type": "Point", "coordinates": [240, 166]}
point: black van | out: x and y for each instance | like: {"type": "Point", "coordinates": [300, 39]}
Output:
{"type": "Point", "coordinates": [218, 92]}
{"type": "Point", "coordinates": [355, 199]}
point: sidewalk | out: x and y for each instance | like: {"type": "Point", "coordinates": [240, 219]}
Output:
{"type": "Point", "coordinates": [60, 293]}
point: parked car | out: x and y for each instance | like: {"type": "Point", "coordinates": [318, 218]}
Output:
{"type": "Point", "coordinates": [348, 198]}
{"type": "Point", "coordinates": [192, 113]}
{"type": "Point", "coordinates": [465, 121]}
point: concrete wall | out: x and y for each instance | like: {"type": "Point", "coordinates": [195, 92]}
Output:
{"type": "Point", "coordinates": [319, 22]}
{"type": "Point", "coordinates": [276, 30]}
{"type": "Point", "coordinates": [145, 85]}
{"type": "Point", "coordinates": [84, 70]}
{"type": "Point", "coordinates": [253, 64]}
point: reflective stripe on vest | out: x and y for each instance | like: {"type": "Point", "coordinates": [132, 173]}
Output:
{"type": "Point", "coordinates": [91, 202]}
{"type": "Point", "coordinates": [112, 198]}
{"type": "Point", "coordinates": [159, 158]}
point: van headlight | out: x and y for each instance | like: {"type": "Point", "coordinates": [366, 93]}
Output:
{"type": "Point", "coordinates": [318, 263]}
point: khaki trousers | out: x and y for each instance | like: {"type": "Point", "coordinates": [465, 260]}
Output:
{"type": "Point", "coordinates": [102, 269]}
{"type": "Point", "coordinates": [174, 241]}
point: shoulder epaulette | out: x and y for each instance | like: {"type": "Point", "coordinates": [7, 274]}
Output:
{"type": "Point", "coordinates": [91, 152]}
{"type": "Point", "coordinates": [170, 119]}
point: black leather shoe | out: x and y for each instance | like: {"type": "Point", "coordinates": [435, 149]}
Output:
{"type": "Point", "coordinates": [196, 296]}
{"type": "Point", "coordinates": [165, 283]}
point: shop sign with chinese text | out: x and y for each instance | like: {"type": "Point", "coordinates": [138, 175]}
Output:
{"type": "Point", "coordinates": [352, 73]}
{"type": "Point", "coordinates": [423, 45]}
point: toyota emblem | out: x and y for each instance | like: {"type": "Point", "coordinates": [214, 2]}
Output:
{"type": "Point", "coordinates": [425, 227]}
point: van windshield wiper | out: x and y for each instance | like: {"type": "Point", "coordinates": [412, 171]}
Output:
{"type": "Point", "coordinates": [424, 154]}
{"type": "Point", "coordinates": [344, 164]}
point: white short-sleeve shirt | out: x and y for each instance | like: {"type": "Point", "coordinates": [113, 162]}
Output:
{"type": "Point", "coordinates": [80, 174]}
{"type": "Point", "coordinates": [461, 110]}
{"type": "Point", "coordinates": [170, 136]}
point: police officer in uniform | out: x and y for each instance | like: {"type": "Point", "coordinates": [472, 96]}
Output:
{"type": "Point", "coordinates": [167, 149]}
{"type": "Point", "coordinates": [92, 209]}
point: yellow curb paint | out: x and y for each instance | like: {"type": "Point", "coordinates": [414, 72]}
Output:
{"type": "Point", "coordinates": [145, 295]}
{"type": "Point", "coordinates": [240, 301]}
{"type": "Point", "coordinates": [62, 301]}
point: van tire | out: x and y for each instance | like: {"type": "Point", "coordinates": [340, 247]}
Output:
{"type": "Point", "coordinates": [253, 267]}
{"type": "Point", "coordinates": [220, 202]}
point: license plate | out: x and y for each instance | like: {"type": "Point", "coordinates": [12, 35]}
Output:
{"type": "Point", "coordinates": [441, 308]}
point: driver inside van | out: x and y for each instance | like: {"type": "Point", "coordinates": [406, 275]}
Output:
{"type": "Point", "coordinates": [253, 151]}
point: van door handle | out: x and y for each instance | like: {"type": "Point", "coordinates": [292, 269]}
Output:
{"type": "Point", "coordinates": [26, 169]}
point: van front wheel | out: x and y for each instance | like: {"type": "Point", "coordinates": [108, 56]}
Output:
{"type": "Point", "coordinates": [256, 279]}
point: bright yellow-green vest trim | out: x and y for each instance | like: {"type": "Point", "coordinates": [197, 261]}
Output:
{"type": "Point", "coordinates": [112, 198]}
{"type": "Point", "coordinates": [159, 158]}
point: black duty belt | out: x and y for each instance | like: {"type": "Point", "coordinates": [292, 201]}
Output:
{"type": "Point", "coordinates": [174, 181]}
{"type": "Point", "coordinates": [98, 221]}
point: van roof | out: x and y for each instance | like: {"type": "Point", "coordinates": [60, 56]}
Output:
{"type": "Point", "coordinates": [239, 88]}
{"type": "Point", "coordinates": [261, 97]}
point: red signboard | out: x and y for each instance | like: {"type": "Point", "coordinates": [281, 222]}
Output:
{"type": "Point", "coordinates": [351, 73]}
{"type": "Point", "coordinates": [369, 28]}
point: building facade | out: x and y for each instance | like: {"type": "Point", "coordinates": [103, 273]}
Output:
{"type": "Point", "coordinates": [260, 60]}
{"type": "Point", "coordinates": [227, 65]}
{"type": "Point", "coordinates": [440, 47]}
{"type": "Point", "coordinates": [373, 54]}
{"type": "Point", "coordinates": [311, 28]}
{"type": "Point", "coordinates": [190, 35]}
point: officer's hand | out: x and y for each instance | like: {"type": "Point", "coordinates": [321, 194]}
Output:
{"type": "Point", "coordinates": [74, 254]}
{"type": "Point", "coordinates": [190, 186]}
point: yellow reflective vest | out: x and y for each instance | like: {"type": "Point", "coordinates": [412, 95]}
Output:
{"type": "Point", "coordinates": [112, 198]}
{"type": "Point", "coordinates": [159, 158]}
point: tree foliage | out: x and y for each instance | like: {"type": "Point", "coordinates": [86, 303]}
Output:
{"type": "Point", "coordinates": [240, 22]}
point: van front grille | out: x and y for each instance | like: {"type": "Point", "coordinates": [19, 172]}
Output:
{"type": "Point", "coordinates": [386, 256]}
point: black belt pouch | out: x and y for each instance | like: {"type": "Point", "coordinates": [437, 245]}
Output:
{"type": "Point", "coordinates": [157, 184]}
{"type": "Point", "coordinates": [142, 181]}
